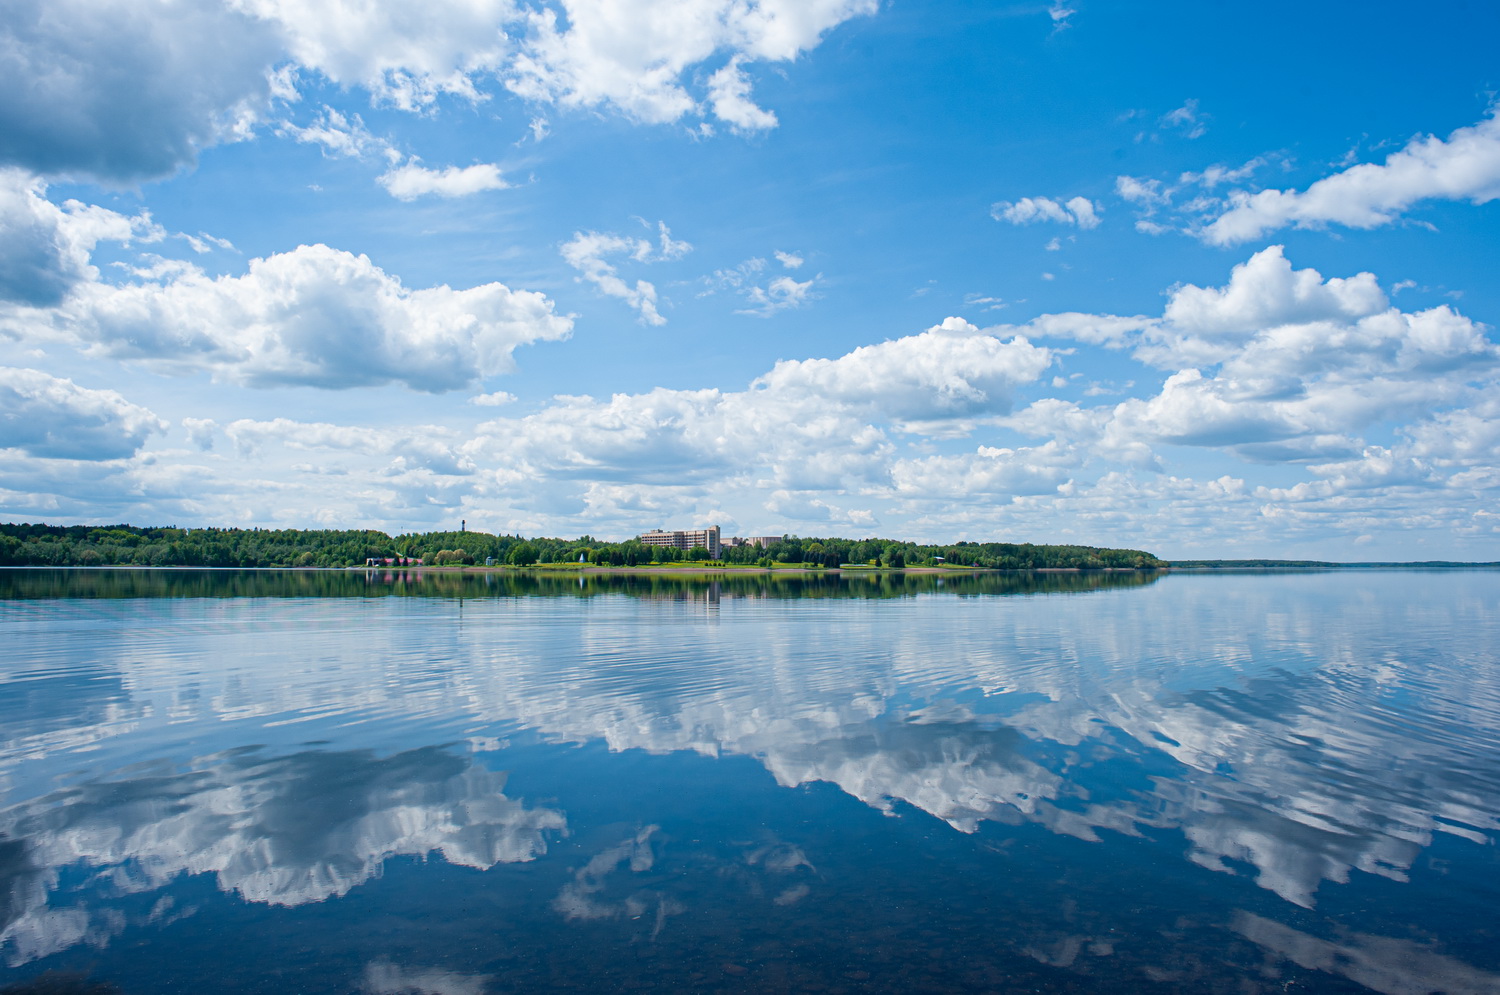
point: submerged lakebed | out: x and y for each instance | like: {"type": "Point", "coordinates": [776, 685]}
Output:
{"type": "Point", "coordinates": [386, 782]}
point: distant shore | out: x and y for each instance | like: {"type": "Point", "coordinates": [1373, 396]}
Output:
{"type": "Point", "coordinates": [1207, 566]}
{"type": "Point", "coordinates": [692, 569]}
{"type": "Point", "coordinates": [593, 569]}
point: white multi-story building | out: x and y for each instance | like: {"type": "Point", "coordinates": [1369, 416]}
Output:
{"type": "Point", "coordinates": [686, 539]}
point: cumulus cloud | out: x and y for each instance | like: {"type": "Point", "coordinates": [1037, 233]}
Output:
{"type": "Point", "coordinates": [952, 369]}
{"type": "Point", "coordinates": [988, 472]}
{"type": "Point", "coordinates": [807, 431]}
{"type": "Point", "coordinates": [802, 506]}
{"type": "Point", "coordinates": [1274, 365]}
{"type": "Point", "coordinates": [427, 447]}
{"type": "Point", "coordinates": [586, 252]}
{"type": "Point", "coordinates": [314, 316]}
{"type": "Point", "coordinates": [51, 418]}
{"type": "Point", "coordinates": [201, 431]}
{"type": "Point", "coordinates": [121, 91]}
{"type": "Point", "coordinates": [729, 95]}
{"type": "Point", "coordinates": [1079, 211]}
{"type": "Point", "coordinates": [406, 56]}
{"type": "Point", "coordinates": [45, 248]}
{"type": "Point", "coordinates": [1465, 166]}
{"type": "Point", "coordinates": [1189, 202]}
{"type": "Point", "coordinates": [634, 55]}
{"type": "Point", "coordinates": [1283, 364]}
{"type": "Point", "coordinates": [411, 181]}
{"type": "Point", "coordinates": [1139, 191]}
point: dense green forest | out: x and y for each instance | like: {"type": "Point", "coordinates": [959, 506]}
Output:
{"type": "Point", "coordinates": [126, 545]}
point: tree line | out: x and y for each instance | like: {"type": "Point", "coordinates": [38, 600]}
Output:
{"type": "Point", "coordinates": [128, 545]}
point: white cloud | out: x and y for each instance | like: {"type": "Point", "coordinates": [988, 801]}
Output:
{"type": "Point", "coordinates": [203, 243]}
{"type": "Point", "coordinates": [339, 134]}
{"type": "Point", "coordinates": [426, 447]}
{"type": "Point", "coordinates": [778, 295]}
{"type": "Point", "coordinates": [801, 506]}
{"type": "Point", "coordinates": [405, 55]}
{"type": "Point", "coordinates": [45, 249]}
{"type": "Point", "coordinates": [1139, 191]}
{"type": "Point", "coordinates": [1061, 14]}
{"type": "Point", "coordinates": [1078, 211]}
{"type": "Point", "coordinates": [952, 369]}
{"type": "Point", "coordinates": [201, 431]}
{"type": "Point", "coordinates": [586, 252]}
{"type": "Point", "coordinates": [985, 302]}
{"type": "Point", "coordinates": [1265, 292]}
{"type": "Point", "coordinates": [1190, 201]}
{"type": "Point", "coordinates": [988, 473]}
{"type": "Point", "coordinates": [1303, 364]}
{"type": "Point", "coordinates": [729, 95]}
{"type": "Point", "coordinates": [670, 248]}
{"type": "Point", "coordinates": [314, 316]}
{"type": "Point", "coordinates": [806, 431]}
{"type": "Point", "coordinates": [493, 400]}
{"type": "Point", "coordinates": [1466, 166]}
{"type": "Point", "coordinates": [122, 91]}
{"type": "Point", "coordinates": [51, 418]}
{"type": "Point", "coordinates": [119, 90]}
{"type": "Point", "coordinates": [1192, 122]}
{"type": "Point", "coordinates": [1219, 174]}
{"type": "Point", "coordinates": [1370, 405]}
{"type": "Point", "coordinates": [634, 54]}
{"type": "Point", "coordinates": [735, 278]}
{"type": "Point", "coordinates": [411, 181]}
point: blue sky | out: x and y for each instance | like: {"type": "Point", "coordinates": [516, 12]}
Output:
{"type": "Point", "coordinates": [1201, 279]}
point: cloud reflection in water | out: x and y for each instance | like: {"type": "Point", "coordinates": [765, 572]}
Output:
{"type": "Point", "coordinates": [1296, 729]}
{"type": "Point", "coordinates": [282, 831]}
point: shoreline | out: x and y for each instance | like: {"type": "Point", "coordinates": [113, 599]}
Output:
{"type": "Point", "coordinates": [595, 570]}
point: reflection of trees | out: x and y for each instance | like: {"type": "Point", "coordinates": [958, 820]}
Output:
{"type": "Point", "coordinates": [284, 831]}
{"type": "Point", "coordinates": [21, 584]}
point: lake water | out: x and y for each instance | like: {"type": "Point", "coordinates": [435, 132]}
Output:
{"type": "Point", "coordinates": [340, 782]}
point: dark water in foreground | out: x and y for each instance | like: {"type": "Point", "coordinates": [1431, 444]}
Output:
{"type": "Point", "coordinates": [276, 782]}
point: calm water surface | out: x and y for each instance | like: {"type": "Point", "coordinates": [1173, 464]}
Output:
{"type": "Point", "coordinates": [333, 782]}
